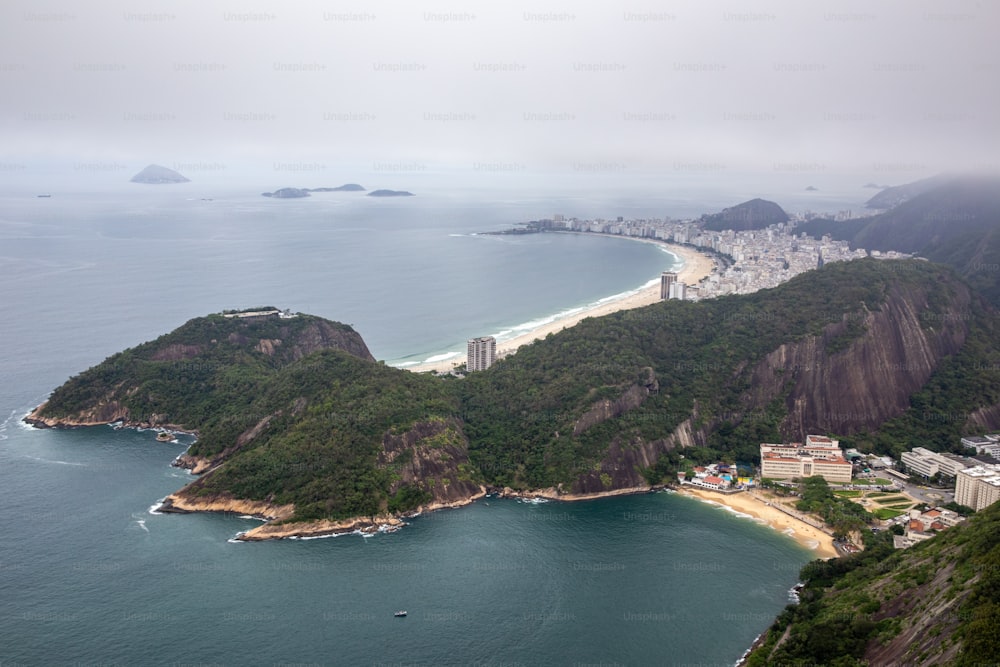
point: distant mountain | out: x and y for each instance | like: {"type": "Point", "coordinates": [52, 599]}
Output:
{"type": "Point", "coordinates": [156, 174]}
{"type": "Point", "coordinates": [390, 193]}
{"type": "Point", "coordinates": [812, 188]}
{"type": "Point", "coordinates": [894, 196]}
{"type": "Point", "coordinates": [287, 193]}
{"type": "Point", "coordinates": [753, 214]}
{"type": "Point", "coordinates": [955, 222]}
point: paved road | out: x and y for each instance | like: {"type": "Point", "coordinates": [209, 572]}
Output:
{"type": "Point", "coordinates": [928, 494]}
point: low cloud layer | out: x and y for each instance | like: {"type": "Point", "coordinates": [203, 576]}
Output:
{"type": "Point", "coordinates": [898, 89]}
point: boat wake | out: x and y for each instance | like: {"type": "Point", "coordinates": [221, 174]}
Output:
{"type": "Point", "coordinates": [62, 463]}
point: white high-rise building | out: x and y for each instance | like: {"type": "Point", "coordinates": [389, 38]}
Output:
{"type": "Point", "coordinates": [482, 352]}
{"type": "Point", "coordinates": [667, 279]}
{"type": "Point", "coordinates": [978, 487]}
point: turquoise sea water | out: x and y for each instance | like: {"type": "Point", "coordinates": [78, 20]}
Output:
{"type": "Point", "coordinates": [89, 575]}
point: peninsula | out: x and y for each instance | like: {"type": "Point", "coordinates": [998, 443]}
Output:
{"type": "Point", "coordinates": [331, 440]}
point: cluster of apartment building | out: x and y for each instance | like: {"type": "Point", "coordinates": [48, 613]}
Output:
{"type": "Point", "coordinates": [978, 486]}
{"type": "Point", "coordinates": [759, 259]}
{"type": "Point", "coordinates": [819, 455]}
{"type": "Point", "coordinates": [920, 525]}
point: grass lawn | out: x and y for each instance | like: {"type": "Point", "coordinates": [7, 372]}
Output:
{"type": "Point", "coordinates": [902, 506]}
{"type": "Point", "coordinates": [886, 513]}
{"type": "Point", "coordinates": [893, 499]}
{"type": "Point", "coordinates": [848, 494]}
{"type": "Point", "coordinates": [881, 481]}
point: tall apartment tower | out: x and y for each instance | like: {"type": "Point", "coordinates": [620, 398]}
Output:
{"type": "Point", "coordinates": [482, 353]}
{"type": "Point", "coordinates": [667, 278]}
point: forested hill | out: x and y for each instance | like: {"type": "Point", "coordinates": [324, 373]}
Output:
{"type": "Point", "coordinates": [752, 214]}
{"type": "Point", "coordinates": [936, 603]}
{"type": "Point", "coordinates": [295, 411]}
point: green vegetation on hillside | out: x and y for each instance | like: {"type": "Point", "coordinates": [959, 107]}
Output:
{"type": "Point", "coordinates": [841, 514]}
{"type": "Point", "coordinates": [932, 604]}
{"type": "Point", "coordinates": [521, 413]}
{"type": "Point", "coordinates": [323, 459]}
{"type": "Point", "coordinates": [295, 411]}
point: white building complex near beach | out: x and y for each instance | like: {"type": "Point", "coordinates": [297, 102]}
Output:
{"type": "Point", "coordinates": [818, 456]}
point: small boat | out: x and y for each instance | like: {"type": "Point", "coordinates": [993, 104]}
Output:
{"type": "Point", "coordinates": [400, 613]}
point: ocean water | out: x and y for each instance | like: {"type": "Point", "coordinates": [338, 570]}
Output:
{"type": "Point", "coordinates": [89, 574]}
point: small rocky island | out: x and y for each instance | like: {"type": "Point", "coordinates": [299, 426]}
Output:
{"type": "Point", "coordinates": [390, 193]}
{"type": "Point", "coordinates": [156, 174]}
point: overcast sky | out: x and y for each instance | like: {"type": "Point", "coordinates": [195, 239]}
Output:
{"type": "Point", "coordinates": [890, 90]}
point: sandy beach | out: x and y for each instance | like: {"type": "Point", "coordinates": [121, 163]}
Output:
{"type": "Point", "coordinates": [695, 267]}
{"type": "Point", "coordinates": [803, 533]}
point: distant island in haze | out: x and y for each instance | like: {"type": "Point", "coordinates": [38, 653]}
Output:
{"type": "Point", "coordinates": [390, 193]}
{"type": "Point", "coordinates": [286, 193]}
{"type": "Point", "coordinates": [295, 193]}
{"type": "Point", "coordinates": [155, 174]}
{"type": "Point", "coordinates": [347, 187]}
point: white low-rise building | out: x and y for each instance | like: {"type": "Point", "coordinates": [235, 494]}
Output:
{"type": "Point", "coordinates": [819, 455]}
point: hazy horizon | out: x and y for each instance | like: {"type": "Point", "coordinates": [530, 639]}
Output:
{"type": "Point", "coordinates": [316, 94]}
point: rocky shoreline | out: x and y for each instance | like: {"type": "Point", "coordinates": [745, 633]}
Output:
{"type": "Point", "coordinates": [38, 421]}
{"type": "Point", "coordinates": [554, 493]}
{"type": "Point", "coordinates": [275, 516]}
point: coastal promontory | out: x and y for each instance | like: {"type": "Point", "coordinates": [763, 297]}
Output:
{"type": "Point", "coordinates": [156, 174]}
{"type": "Point", "coordinates": [297, 423]}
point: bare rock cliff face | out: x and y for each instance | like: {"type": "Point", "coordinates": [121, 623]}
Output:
{"type": "Point", "coordinates": [608, 409]}
{"type": "Point", "coordinates": [429, 455]}
{"type": "Point", "coordinates": [322, 335]}
{"type": "Point", "coordinates": [871, 381]}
